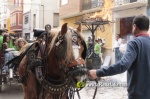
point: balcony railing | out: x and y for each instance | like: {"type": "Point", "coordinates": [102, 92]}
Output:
{"type": "Point", "coordinates": [121, 2]}
{"type": "Point", "coordinates": [92, 4]}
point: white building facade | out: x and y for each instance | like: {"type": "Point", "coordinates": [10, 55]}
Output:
{"type": "Point", "coordinates": [27, 34]}
{"type": "Point", "coordinates": [4, 14]}
{"type": "Point", "coordinates": [124, 12]}
{"type": "Point", "coordinates": [38, 13]}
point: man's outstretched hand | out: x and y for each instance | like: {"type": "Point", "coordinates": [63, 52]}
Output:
{"type": "Point", "coordinates": [92, 74]}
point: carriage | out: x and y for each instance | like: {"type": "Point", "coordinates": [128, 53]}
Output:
{"type": "Point", "coordinates": [7, 76]}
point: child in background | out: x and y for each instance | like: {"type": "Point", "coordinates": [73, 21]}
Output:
{"type": "Point", "coordinates": [22, 44]}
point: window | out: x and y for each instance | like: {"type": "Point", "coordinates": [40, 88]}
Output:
{"type": "Point", "coordinates": [63, 2]}
{"type": "Point", "coordinates": [133, 1]}
{"type": "Point", "coordinates": [5, 9]}
{"type": "Point", "coordinates": [20, 3]}
{"type": "Point", "coordinates": [20, 19]}
{"type": "Point", "coordinates": [0, 11]}
{"type": "Point", "coordinates": [13, 19]}
{"type": "Point", "coordinates": [17, 2]}
{"type": "Point", "coordinates": [26, 19]}
{"type": "Point", "coordinates": [10, 20]}
{"type": "Point", "coordinates": [34, 21]}
{"type": "Point", "coordinates": [55, 19]}
{"type": "Point", "coordinates": [4, 25]}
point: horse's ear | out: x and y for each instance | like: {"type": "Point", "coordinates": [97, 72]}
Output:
{"type": "Point", "coordinates": [79, 27]}
{"type": "Point", "coordinates": [64, 29]}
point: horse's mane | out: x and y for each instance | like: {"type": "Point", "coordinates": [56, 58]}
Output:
{"type": "Point", "coordinates": [65, 49]}
{"type": "Point", "coordinates": [24, 48]}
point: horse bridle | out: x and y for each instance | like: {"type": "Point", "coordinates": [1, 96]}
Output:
{"type": "Point", "coordinates": [76, 67]}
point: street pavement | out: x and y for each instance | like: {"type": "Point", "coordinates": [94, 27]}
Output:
{"type": "Point", "coordinates": [112, 87]}
{"type": "Point", "coordinates": [11, 91]}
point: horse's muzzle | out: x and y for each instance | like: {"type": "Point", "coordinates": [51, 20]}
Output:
{"type": "Point", "coordinates": [78, 71]}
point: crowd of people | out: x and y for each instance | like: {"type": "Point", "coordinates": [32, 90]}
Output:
{"type": "Point", "coordinates": [120, 47]}
{"type": "Point", "coordinates": [10, 47]}
{"type": "Point", "coordinates": [98, 47]}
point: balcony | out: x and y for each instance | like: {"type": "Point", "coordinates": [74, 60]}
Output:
{"type": "Point", "coordinates": [128, 4]}
{"type": "Point", "coordinates": [122, 2]}
{"type": "Point", "coordinates": [92, 4]}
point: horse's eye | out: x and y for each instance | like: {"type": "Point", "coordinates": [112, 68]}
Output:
{"type": "Point", "coordinates": [74, 39]}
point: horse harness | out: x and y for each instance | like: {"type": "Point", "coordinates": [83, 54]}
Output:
{"type": "Point", "coordinates": [37, 63]}
{"type": "Point", "coordinates": [37, 58]}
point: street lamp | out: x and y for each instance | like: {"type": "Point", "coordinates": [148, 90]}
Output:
{"type": "Point", "coordinates": [43, 15]}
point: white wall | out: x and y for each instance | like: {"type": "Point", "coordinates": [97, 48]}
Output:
{"type": "Point", "coordinates": [26, 11]}
{"type": "Point", "coordinates": [4, 15]}
{"type": "Point", "coordinates": [26, 6]}
{"type": "Point", "coordinates": [30, 8]}
{"type": "Point", "coordinates": [27, 26]}
{"type": "Point", "coordinates": [35, 7]}
{"type": "Point", "coordinates": [50, 7]}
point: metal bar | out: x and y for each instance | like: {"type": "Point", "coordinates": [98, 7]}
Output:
{"type": "Point", "coordinates": [88, 27]}
{"type": "Point", "coordinates": [96, 27]}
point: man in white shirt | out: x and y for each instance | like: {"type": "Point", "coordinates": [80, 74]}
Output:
{"type": "Point", "coordinates": [116, 48]}
{"type": "Point", "coordinates": [123, 47]}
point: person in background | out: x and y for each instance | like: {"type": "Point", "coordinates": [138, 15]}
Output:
{"type": "Point", "coordinates": [97, 47]}
{"type": "Point", "coordinates": [7, 54]}
{"type": "Point", "coordinates": [123, 47]}
{"type": "Point", "coordinates": [1, 42]}
{"type": "Point", "coordinates": [89, 45]}
{"type": "Point", "coordinates": [89, 42]}
{"type": "Point", "coordinates": [101, 47]}
{"type": "Point", "coordinates": [15, 44]}
{"type": "Point", "coordinates": [136, 60]}
{"type": "Point", "coordinates": [22, 44]}
{"type": "Point", "coordinates": [6, 42]}
{"type": "Point", "coordinates": [116, 48]}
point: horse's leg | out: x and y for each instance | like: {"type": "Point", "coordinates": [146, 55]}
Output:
{"type": "Point", "coordinates": [31, 87]}
{"type": "Point", "coordinates": [29, 83]}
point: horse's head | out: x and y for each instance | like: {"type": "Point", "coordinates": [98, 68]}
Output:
{"type": "Point", "coordinates": [68, 51]}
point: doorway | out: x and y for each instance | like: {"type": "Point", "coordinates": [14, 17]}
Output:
{"type": "Point", "coordinates": [126, 27]}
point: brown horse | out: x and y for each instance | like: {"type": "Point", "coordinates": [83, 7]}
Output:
{"type": "Point", "coordinates": [63, 70]}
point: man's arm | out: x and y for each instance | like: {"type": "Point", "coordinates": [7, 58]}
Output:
{"type": "Point", "coordinates": [121, 66]}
